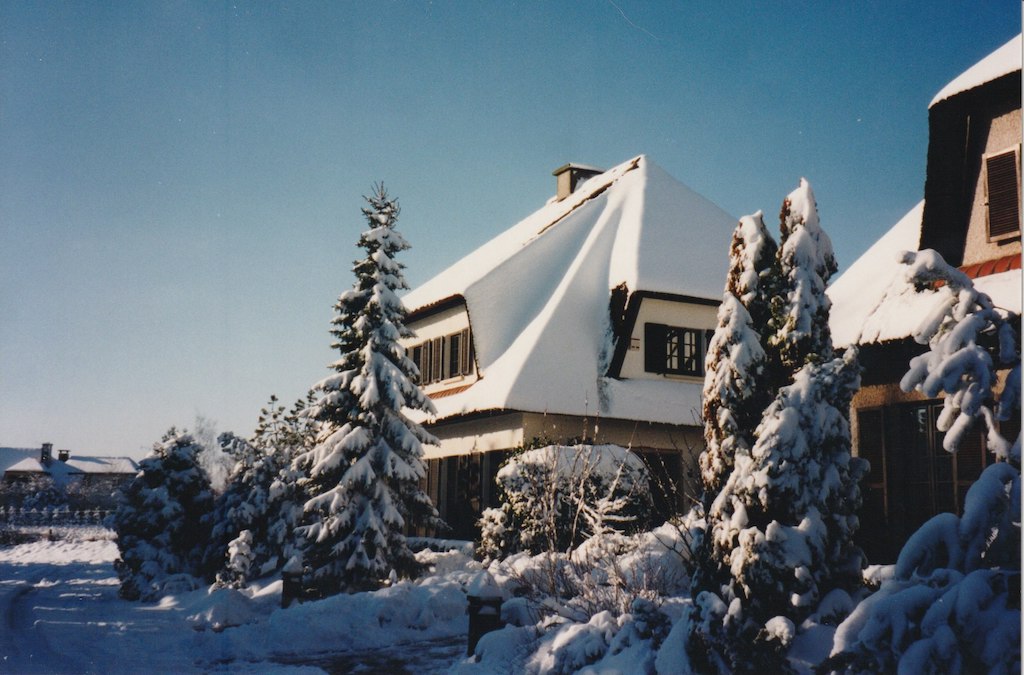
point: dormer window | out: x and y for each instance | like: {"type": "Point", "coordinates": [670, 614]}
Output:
{"type": "Point", "coordinates": [1002, 192]}
{"type": "Point", "coordinates": [674, 350]}
{"type": "Point", "coordinates": [444, 358]}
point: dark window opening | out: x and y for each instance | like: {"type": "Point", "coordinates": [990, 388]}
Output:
{"type": "Point", "coordinates": [674, 350]}
{"type": "Point", "coordinates": [912, 477]}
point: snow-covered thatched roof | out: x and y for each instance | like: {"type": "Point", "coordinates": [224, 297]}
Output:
{"type": "Point", "coordinates": [874, 302]}
{"type": "Point", "coordinates": [538, 294]}
{"type": "Point", "coordinates": [1005, 60]}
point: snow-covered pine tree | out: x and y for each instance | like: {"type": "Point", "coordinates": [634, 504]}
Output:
{"type": "Point", "coordinates": [163, 519]}
{"type": "Point", "coordinates": [364, 474]}
{"type": "Point", "coordinates": [736, 386]}
{"type": "Point", "coordinates": [953, 603]}
{"type": "Point", "coordinates": [799, 326]}
{"type": "Point", "coordinates": [293, 435]}
{"type": "Point", "coordinates": [779, 534]}
{"type": "Point", "coordinates": [243, 504]}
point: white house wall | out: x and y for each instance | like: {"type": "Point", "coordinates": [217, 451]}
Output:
{"type": "Point", "coordinates": [1004, 134]}
{"type": "Point", "coordinates": [480, 434]}
{"type": "Point", "coordinates": [508, 431]}
{"type": "Point", "coordinates": [670, 313]}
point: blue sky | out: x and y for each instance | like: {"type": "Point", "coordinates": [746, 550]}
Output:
{"type": "Point", "coordinates": [181, 181]}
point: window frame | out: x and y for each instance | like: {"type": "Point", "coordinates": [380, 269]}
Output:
{"type": "Point", "coordinates": [660, 357]}
{"type": "Point", "coordinates": [443, 358]}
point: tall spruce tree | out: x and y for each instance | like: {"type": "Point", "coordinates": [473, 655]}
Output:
{"type": "Point", "coordinates": [364, 473]}
{"type": "Point", "coordinates": [779, 531]}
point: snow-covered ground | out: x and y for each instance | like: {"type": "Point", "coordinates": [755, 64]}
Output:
{"type": "Point", "coordinates": [61, 614]}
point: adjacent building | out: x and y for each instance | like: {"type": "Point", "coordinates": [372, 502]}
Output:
{"type": "Point", "coordinates": [971, 214]}
{"type": "Point", "coordinates": [586, 321]}
{"type": "Point", "coordinates": [81, 482]}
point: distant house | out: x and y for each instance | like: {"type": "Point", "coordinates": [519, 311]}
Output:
{"type": "Point", "coordinates": [586, 320]}
{"type": "Point", "coordinates": [971, 215]}
{"type": "Point", "coordinates": [84, 482]}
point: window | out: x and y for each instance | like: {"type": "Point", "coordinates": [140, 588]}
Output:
{"type": "Point", "coordinates": [445, 357]}
{"type": "Point", "coordinates": [454, 367]}
{"type": "Point", "coordinates": [1002, 190]}
{"type": "Point", "coordinates": [436, 356]}
{"type": "Point", "coordinates": [674, 350]}
{"type": "Point", "coordinates": [912, 477]}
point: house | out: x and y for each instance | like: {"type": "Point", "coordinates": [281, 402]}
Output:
{"type": "Point", "coordinates": [587, 320]}
{"type": "Point", "coordinates": [82, 482]}
{"type": "Point", "coordinates": [971, 215]}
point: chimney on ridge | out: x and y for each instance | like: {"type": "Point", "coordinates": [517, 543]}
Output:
{"type": "Point", "coordinates": [63, 455]}
{"type": "Point", "coordinates": [571, 175]}
{"type": "Point", "coordinates": [46, 454]}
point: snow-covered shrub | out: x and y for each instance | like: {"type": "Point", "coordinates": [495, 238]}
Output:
{"type": "Point", "coordinates": [497, 538]}
{"type": "Point", "coordinates": [163, 520]}
{"type": "Point", "coordinates": [606, 642]}
{"type": "Point", "coordinates": [945, 610]}
{"type": "Point", "coordinates": [953, 602]}
{"type": "Point", "coordinates": [363, 477]}
{"type": "Point", "coordinates": [238, 567]}
{"type": "Point", "coordinates": [555, 497]}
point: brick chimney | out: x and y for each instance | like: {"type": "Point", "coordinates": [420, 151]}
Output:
{"type": "Point", "coordinates": [571, 175]}
{"type": "Point", "coordinates": [63, 455]}
{"type": "Point", "coordinates": [46, 454]}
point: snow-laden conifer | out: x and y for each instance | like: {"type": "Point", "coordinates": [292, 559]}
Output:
{"type": "Point", "coordinates": [364, 473]}
{"type": "Point", "coordinates": [163, 519]}
{"type": "Point", "coordinates": [736, 384]}
{"type": "Point", "coordinates": [953, 603]}
{"type": "Point", "coordinates": [262, 495]}
{"type": "Point", "coordinates": [799, 329]}
{"type": "Point", "coordinates": [779, 532]}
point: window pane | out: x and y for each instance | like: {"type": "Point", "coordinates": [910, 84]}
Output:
{"type": "Point", "coordinates": [691, 352]}
{"type": "Point", "coordinates": [454, 355]}
{"type": "Point", "coordinates": [672, 350]}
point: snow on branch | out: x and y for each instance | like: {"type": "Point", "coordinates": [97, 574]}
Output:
{"type": "Point", "coordinates": [970, 341]}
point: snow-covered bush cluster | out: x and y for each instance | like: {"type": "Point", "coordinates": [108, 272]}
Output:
{"type": "Point", "coordinates": [608, 603]}
{"type": "Point", "coordinates": [555, 497]}
{"type": "Point", "coordinates": [329, 486]}
{"type": "Point", "coordinates": [953, 603]}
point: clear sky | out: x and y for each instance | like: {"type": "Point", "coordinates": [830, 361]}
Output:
{"type": "Point", "coordinates": [180, 182]}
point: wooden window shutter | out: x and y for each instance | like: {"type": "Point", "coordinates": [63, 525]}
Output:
{"type": "Point", "coordinates": [437, 358]}
{"type": "Point", "coordinates": [466, 356]}
{"type": "Point", "coordinates": [417, 358]}
{"type": "Point", "coordinates": [1002, 186]}
{"type": "Point", "coordinates": [655, 335]}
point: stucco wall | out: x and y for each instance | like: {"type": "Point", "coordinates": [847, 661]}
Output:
{"type": "Point", "coordinates": [510, 430]}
